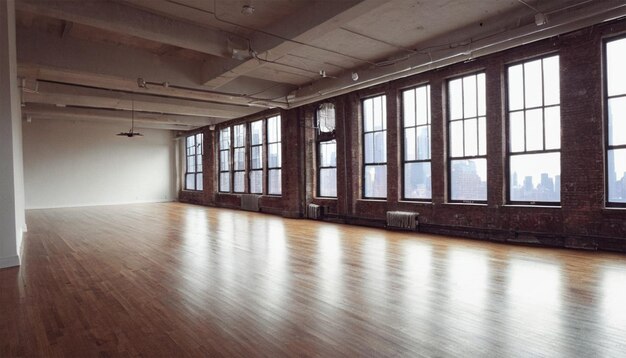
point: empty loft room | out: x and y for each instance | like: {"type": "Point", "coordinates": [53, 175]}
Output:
{"type": "Point", "coordinates": [312, 178]}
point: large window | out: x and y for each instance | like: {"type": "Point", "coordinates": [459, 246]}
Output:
{"type": "Point", "coordinates": [274, 156]}
{"type": "Point", "coordinates": [239, 158]}
{"type": "Point", "coordinates": [375, 147]}
{"type": "Point", "coordinates": [256, 157]}
{"type": "Point", "coordinates": [193, 172]}
{"type": "Point", "coordinates": [534, 126]}
{"type": "Point", "coordinates": [326, 151]}
{"type": "Point", "coordinates": [616, 110]}
{"type": "Point", "coordinates": [224, 182]}
{"type": "Point", "coordinates": [416, 143]}
{"type": "Point", "coordinates": [467, 139]}
{"type": "Point", "coordinates": [249, 142]}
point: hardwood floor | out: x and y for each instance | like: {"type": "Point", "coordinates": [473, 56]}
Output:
{"type": "Point", "coordinates": [181, 280]}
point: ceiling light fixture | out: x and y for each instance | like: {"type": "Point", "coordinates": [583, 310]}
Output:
{"type": "Point", "coordinates": [247, 10]}
{"type": "Point", "coordinates": [355, 76]}
{"type": "Point", "coordinates": [131, 133]}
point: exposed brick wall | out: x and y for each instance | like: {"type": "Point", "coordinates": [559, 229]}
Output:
{"type": "Point", "coordinates": [582, 221]}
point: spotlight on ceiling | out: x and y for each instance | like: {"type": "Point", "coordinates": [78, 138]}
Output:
{"type": "Point", "coordinates": [355, 76]}
{"type": "Point", "coordinates": [541, 19]}
{"type": "Point", "coordinates": [247, 10]}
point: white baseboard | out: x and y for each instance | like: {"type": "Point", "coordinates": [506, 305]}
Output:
{"type": "Point", "coordinates": [9, 261]}
{"type": "Point", "coordinates": [100, 204]}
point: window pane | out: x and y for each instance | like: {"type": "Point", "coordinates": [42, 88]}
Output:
{"type": "Point", "coordinates": [379, 119]}
{"type": "Point", "coordinates": [328, 182]}
{"type": "Point", "coordinates": [553, 127]}
{"type": "Point", "coordinates": [225, 138]}
{"type": "Point", "coordinates": [274, 181]}
{"type": "Point", "coordinates": [273, 129]}
{"type": "Point", "coordinates": [617, 121]}
{"type": "Point", "coordinates": [551, 83]}
{"type": "Point", "coordinates": [191, 141]}
{"type": "Point", "coordinates": [482, 93]}
{"type": "Point", "coordinates": [471, 136]}
{"type": "Point", "coordinates": [534, 129]}
{"type": "Point", "coordinates": [239, 159]}
{"type": "Point", "coordinates": [256, 132]}
{"type": "Point", "coordinates": [368, 115]}
{"type": "Point", "coordinates": [482, 136]}
{"type": "Point", "coordinates": [533, 84]}
{"type": "Point", "coordinates": [516, 88]}
{"type": "Point", "coordinates": [456, 138]}
{"type": "Point", "coordinates": [191, 150]}
{"type": "Point", "coordinates": [225, 182]}
{"type": "Point", "coordinates": [516, 127]}
{"type": "Point", "coordinates": [256, 157]}
{"type": "Point", "coordinates": [198, 181]}
{"type": "Point", "coordinates": [198, 163]}
{"type": "Point", "coordinates": [256, 181]}
{"type": "Point", "coordinates": [273, 155]}
{"type": "Point", "coordinates": [617, 175]}
{"type": "Point", "coordinates": [423, 142]}
{"type": "Point", "coordinates": [535, 177]}
{"type": "Point", "coordinates": [224, 160]}
{"type": "Point", "coordinates": [240, 135]}
{"type": "Point", "coordinates": [375, 181]}
{"type": "Point", "coordinates": [456, 99]}
{"type": "Point", "coordinates": [189, 182]}
{"type": "Point", "coordinates": [191, 164]}
{"type": "Point", "coordinates": [328, 154]}
{"type": "Point", "coordinates": [409, 144]}
{"type": "Point", "coordinates": [417, 183]}
{"type": "Point", "coordinates": [616, 71]}
{"type": "Point", "coordinates": [423, 105]}
{"type": "Point", "coordinates": [326, 118]}
{"type": "Point", "coordinates": [469, 96]}
{"type": "Point", "coordinates": [380, 147]}
{"type": "Point", "coordinates": [468, 179]}
{"type": "Point", "coordinates": [408, 113]}
{"type": "Point", "coordinates": [239, 182]}
{"type": "Point", "coordinates": [368, 142]}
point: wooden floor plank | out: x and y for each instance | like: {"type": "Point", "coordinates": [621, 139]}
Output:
{"type": "Point", "coordinates": [172, 279]}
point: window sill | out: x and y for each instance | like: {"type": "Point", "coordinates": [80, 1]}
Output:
{"type": "Point", "coordinates": [466, 204]}
{"type": "Point", "coordinates": [325, 198]}
{"type": "Point", "coordinates": [375, 200]}
{"type": "Point", "coordinates": [531, 206]}
{"type": "Point", "coordinates": [614, 208]}
{"type": "Point", "coordinates": [420, 202]}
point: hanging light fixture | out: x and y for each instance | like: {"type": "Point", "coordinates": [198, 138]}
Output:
{"type": "Point", "coordinates": [131, 133]}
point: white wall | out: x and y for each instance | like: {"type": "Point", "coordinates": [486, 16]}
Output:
{"type": "Point", "coordinates": [76, 163]}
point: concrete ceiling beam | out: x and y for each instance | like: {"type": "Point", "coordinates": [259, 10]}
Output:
{"type": "Point", "coordinates": [305, 26]}
{"type": "Point", "coordinates": [142, 119]}
{"type": "Point", "coordinates": [119, 18]}
{"type": "Point", "coordinates": [60, 94]}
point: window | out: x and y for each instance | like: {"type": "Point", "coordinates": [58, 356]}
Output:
{"type": "Point", "coordinates": [224, 182]}
{"type": "Point", "coordinates": [467, 139]}
{"type": "Point", "coordinates": [416, 143]}
{"type": "Point", "coordinates": [193, 174]}
{"type": "Point", "coordinates": [375, 147]}
{"type": "Point", "coordinates": [256, 157]}
{"type": "Point", "coordinates": [274, 160]}
{"type": "Point", "coordinates": [616, 110]}
{"type": "Point", "coordinates": [534, 126]}
{"type": "Point", "coordinates": [326, 151]}
{"type": "Point", "coordinates": [239, 158]}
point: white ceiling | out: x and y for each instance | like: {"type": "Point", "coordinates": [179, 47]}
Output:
{"type": "Point", "coordinates": [96, 50]}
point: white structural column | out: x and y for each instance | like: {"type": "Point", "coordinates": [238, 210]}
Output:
{"type": "Point", "coordinates": [12, 218]}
